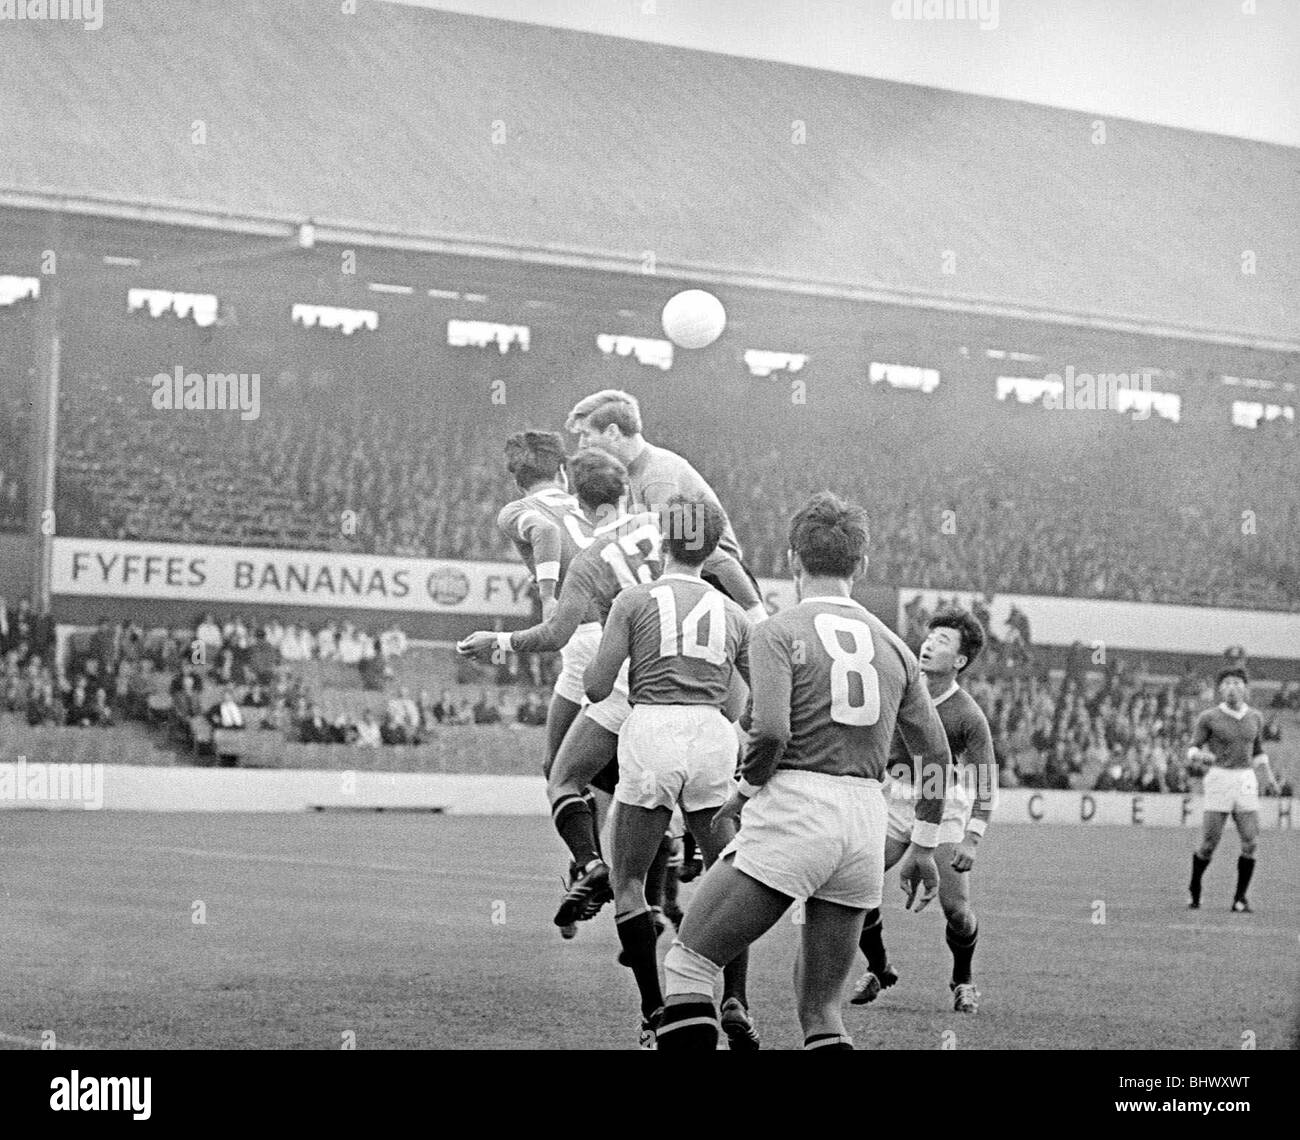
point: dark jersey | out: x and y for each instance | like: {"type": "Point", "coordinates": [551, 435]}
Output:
{"type": "Point", "coordinates": [1234, 740]}
{"type": "Point", "coordinates": [655, 476]}
{"type": "Point", "coordinates": [683, 641]}
{"type": "Point", "coordinates": [830, 683]}
{"type": "Point", "coordinates": [549, 530]}
{"type": "Point", "coordinates": [622, 553]}
{"type": "Point", "coordinates": [971, 744]}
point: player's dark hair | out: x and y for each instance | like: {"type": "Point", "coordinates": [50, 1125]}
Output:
{"type": "Point", "coordinates": [830, 536]}
{"type": "Point", "coordinates": [969, 628]}
{"type": "Point", "coordinates": [611, 406]}
{"type": "Point", "coordinates": [1231, 671]}
{"type": "Point", "coordinates": [597, 478]}
{"type": "Point", "coordinates": [534, 456]}
{"type": "Point", "coordinates": [692, 526]}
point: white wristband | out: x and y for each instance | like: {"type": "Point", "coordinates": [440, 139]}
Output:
{"type": "Point", "coordinates": [756, 613]}
{"type": "Point", "coordinates": [503, 643]}
{"type": "Point", "coordinates": [925, 834]}
{"type": "Point", "coordinates": [547, 571]}
{"type": "Point", "coordinates": [1262, 758]}
{"type": "Point", "coordinates": [977, 826]}
{"type": "Point", "coordinates": [746, 789]}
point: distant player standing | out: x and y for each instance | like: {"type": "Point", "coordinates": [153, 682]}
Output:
{"type": "Point", "coordinates": [681, 640]}
{"type": "Point", "coordinates": [830, 682]}
{"type": "Point", "coordinates": [548, 528]}
{"type": "Point", "coordinates": [954, 640]}
{"type": "Point", "coordinates": [1230, 738]}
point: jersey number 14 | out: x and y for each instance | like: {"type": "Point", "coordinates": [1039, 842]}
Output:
{"type": "Point", "coordinates": [710, 605]}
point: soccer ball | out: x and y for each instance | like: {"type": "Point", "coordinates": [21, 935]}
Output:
{"type": "Point", "coordinates": [694, 319]}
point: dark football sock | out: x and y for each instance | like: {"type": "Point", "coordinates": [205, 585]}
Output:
{"type": "Point", "coordinates": [654, 877]}
{"type": "Point", "coordinates": [688, 1026]}
{"type": "Point", "coordinates": [595, 831]}
{"type": "Point", "coordinates": [872, 941]}
{"type": "Point", "coordinates": [831, 1042]}
{"type": "Point", "coordinates": [735, 975]}
{"type": "Point", "coordinates": [963, 950]}
{"type": "Point", "coordinates": [1245, 868]}
{"type": "Point", "coordinates": [688, 847]}
{"type": "Point", "coordinates": [1198, 872]}
{"type": "Point", "coordinates": [636, 932]}
{"type": "Point", "coordinates": [577, 827]}
{"type": "Point", "coordinates": [670, 886]}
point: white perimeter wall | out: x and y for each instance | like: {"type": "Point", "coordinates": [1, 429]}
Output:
{"type": "Point", "coordinates": [127, 788]}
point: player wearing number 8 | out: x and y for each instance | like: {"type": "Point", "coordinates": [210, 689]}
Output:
{"type": "Point", "coordinates": [830, 683]}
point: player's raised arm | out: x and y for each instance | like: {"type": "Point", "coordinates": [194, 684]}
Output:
{"type": "Point", "coordinates": [544, 538]}
{"type": "Point", "coordinates": [771, 679]}
{"type": "Point", "coordinates": [576, 595]}
{"type": "Point", "coordinates": [615, 641]}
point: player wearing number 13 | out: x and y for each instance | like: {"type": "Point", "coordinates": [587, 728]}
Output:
{"type": "Point", "coordinates": [830, 684]}
{"type": "Point", "coordinates": [624, 550]}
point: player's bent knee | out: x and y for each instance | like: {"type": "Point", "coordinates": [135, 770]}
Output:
{"type": "Point", "coordinates": [960, 917]}
{"type": "Point", "coordinates": [688, 972]}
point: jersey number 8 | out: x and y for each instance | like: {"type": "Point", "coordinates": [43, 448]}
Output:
{"type": "Point", "coordinates": [846, 663]}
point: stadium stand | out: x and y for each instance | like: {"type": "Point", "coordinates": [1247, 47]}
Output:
{"type": "Point", "coordinates": [1142, 511]}
{"type": "Point", "coordinates": [147, 701]}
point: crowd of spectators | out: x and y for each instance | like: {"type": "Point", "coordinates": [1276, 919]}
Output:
{"type": "Point", "coordinates": [1113, 727]}
{"type": "Point", "coordinates": [235, 675]}
{"type": "Point", "coordinates": [1018, 504]}
{"type": "Point", "coordinates": [1103, 726]}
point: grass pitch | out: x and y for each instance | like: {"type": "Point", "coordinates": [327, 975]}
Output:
{"type": "Point", "coordinates": [173, 931]}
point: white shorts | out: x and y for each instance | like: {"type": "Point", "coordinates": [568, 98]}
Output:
{"type": "Point", "coordinates": [900, 797]}
{"type": "Point", "coordinates": [812, 835]}
{"type": "Point", "coordinates": [574, 659]}
{"type": "Point", "coordinates": [676, 754]}
{"type": "Point", "coordinates": [1231, 789]}
{"type": "Point", "coordinates": [614, 709]}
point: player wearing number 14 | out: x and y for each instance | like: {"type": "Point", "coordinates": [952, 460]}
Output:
{"type": "Point", "coordinates": [681, 642]}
